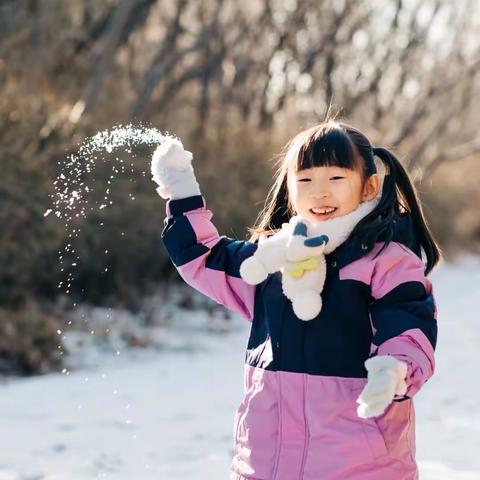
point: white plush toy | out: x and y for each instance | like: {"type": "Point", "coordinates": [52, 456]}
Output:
{"type": "Point", "coordinates": [298, 250]}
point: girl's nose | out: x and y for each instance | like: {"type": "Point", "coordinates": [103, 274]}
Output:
{"type": "Point", "coordinates": [320, 194]}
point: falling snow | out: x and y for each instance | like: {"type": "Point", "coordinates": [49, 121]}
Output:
{"type": "Point", "coordinates": [77, 181]}
{"type": "Point", "coordinates": [73, 186]}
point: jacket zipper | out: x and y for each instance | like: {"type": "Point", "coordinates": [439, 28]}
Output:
{"type": "Point", "coordinates": [307, 433]}
{"type": "Point", "coordinates": [304, 384]}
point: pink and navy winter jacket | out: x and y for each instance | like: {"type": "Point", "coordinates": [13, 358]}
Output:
{"type": "Point", "coordinates": [298, 420]}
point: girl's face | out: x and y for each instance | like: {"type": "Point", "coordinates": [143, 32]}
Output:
{"type": "Point", "coordinates": [321, 193]}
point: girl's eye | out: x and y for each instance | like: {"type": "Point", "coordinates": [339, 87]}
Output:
{"type": "Point", "coordinates": [336, 178]}
{"type": "Point", "coordinates": [303, 179]}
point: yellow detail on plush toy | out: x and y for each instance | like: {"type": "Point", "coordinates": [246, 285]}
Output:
{"type": "Point", "coordinates": [299, 268]}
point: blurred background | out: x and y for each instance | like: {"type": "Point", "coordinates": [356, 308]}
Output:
{"type": "Point", "coordinates": [235, 81]}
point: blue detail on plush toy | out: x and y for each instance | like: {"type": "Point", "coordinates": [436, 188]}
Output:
{"type": "Point", "coordinates": [300, 229]}
{"type": "Point", "coordinates": [316, 241]}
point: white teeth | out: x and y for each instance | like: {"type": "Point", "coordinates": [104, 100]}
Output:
{"type": "Point", "coordinates": [323, 210]}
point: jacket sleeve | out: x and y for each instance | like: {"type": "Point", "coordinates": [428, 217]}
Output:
{"type": "Point", "coordinates": [207, 261]}
{"type": "Point", "coordinates": [403, 314]}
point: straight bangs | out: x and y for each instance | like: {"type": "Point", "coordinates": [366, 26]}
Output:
{"type": "Point", "coordinates": [325, 147]}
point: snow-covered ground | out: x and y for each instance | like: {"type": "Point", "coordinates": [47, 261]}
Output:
{"type": "Point", "coordinates": [169, 414]}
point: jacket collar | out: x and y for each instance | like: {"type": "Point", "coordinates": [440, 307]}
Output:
{"type": "Point", "coordinates": [353, 249]}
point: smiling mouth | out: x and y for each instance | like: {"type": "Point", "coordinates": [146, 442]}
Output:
{"type": "Point", "coordinates": [323, 212]}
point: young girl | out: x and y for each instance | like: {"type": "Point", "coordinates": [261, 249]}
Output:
{"type": "Point", "coordinates": [329, 398]}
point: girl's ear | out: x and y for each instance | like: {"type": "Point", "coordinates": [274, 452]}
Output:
{"type": "Point", "coordinates": [371, 187]}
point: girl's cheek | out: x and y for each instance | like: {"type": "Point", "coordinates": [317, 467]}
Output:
{"type": "Point", "coordinates": [346, 191]}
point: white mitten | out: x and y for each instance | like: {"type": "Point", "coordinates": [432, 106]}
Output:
{"type": "Point", "coordinates": [172, 170]}
{"type": "Point", "coordinates": [386, 378]}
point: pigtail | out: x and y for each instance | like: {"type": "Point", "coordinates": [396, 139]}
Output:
{"type": "Point", "coordinates": [277, 209]}
{"type": "Point", "coordinates": [399, 196]}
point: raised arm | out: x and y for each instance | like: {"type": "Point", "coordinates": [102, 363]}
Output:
{"type": "Point", "coordinates": [205, 260]}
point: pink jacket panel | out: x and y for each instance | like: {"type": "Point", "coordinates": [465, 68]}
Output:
{"type": "Point", "coordinates": [295, 426]}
